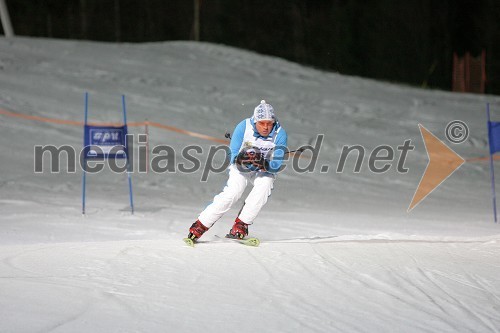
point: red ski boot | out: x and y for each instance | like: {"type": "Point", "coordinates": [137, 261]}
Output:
{"type": "Point", "coordinates": [239, 229]}
{"type": "Point", "coordinates": [196, 230]}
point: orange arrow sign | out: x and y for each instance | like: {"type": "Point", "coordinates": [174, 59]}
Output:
{"type": "Point", "coordinates": [443, 161]}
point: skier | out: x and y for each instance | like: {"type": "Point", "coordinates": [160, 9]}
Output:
{"type": "Point", "coordinates": [258, 146]}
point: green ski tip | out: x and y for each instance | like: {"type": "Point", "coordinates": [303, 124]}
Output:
{"type": "Point", "coordinates": [251, 241]}
{"type": "Point", "coordinates": [188, 241]}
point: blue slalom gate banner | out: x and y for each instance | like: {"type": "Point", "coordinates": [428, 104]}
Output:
{"type": "Point", "coordinates": [105, 142]}
{"type": "Point", "coordinates": [494, 143]}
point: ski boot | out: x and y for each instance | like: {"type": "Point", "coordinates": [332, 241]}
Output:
{"type": "Point", "coordinates": [239, 230]}
{"type": "Point", "coordinates": [196, 231]}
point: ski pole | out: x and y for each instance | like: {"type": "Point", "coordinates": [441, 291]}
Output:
{"type": "Point", "coordinates": [298, 150]}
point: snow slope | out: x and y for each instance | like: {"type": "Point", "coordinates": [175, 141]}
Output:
{"type": "Point", "coordinates": [339, 251]}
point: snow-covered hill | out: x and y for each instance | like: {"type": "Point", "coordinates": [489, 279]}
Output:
{"type": "Point", "coordinates": [339, 251]}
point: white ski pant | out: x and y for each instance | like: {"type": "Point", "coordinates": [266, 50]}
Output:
{"type": "Point", "coordinates": [236, 184]}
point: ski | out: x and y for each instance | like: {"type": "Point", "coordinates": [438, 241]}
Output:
{"type": "Point", "coordinates": [252, 241]}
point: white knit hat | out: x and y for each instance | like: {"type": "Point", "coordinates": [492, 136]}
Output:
{"type": "Point", "coordinates": [263, 111]}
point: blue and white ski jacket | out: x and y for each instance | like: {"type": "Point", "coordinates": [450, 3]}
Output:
{"type": "Point", "coordinates": [272, 146]}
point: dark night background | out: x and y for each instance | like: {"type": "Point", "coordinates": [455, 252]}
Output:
{"type": "Point", "coordinates": [409, 41]}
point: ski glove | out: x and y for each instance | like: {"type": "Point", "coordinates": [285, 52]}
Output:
{"type": "Point", "coordinates": [252, 159]}
{"type": "Point", "coordinates": [261, 163]}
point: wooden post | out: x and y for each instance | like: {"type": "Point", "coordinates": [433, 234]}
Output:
{"type": "Point", "coordinates": [483, 71]}
{"type": "Point", "coordinates": [118, 24]}
{"type": "Point", "coordinates": [4, 17]}
{"type": "Point", "coordinates": [196, 23]}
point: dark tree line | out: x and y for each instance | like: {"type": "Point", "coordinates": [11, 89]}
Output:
{"type": "Point", "coordinates": [409, 41]}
